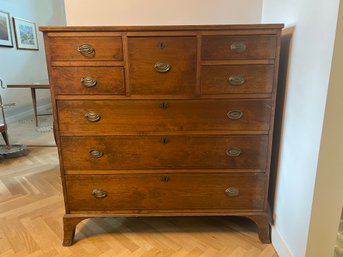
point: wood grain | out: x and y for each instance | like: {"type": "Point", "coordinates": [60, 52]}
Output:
{"type": "Point", "coordinates": [144, 53]}
{"type": "Point", "coordinates": [109, 80]}
{"type": "Point", "coordinates": [258, 47]}
{"type": "Point", "coordinates": [258, 79]}
{"type": "Point", "coordinates": [165, 192]}
{"type": "Point", "coordinates": [106, 48]}
{"type": "Point", "coordinates": [165, 152]}
{"type": "Point", "coordinates": [178, 115]}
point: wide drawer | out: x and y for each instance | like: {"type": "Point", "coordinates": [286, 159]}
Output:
{"type": "Point", "coordinates": [165, 152]}
{"type": "Point", "coordinates": [238, 47]}
{"type": "Point", "coordinates": [162, 65]}
{"type": "Point", "coordinates": [236, 79]}
{"type": "Point", "coordinates": [86, 48]}
{"type": "Point", "coordinates": [123, 116]}
{"type": "Point", "coordinates": [88, 80]}
{"type": "Point", "coordinates": [165, 192]}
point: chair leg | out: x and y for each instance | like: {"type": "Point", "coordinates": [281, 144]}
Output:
{"type": "Point", "coordinates": [5, 136]}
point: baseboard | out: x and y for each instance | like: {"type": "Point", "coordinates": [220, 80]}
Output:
{"type": "Point", "coordinates": [17, 113]}
{"type": "Point", "coordinates": [280, 244]}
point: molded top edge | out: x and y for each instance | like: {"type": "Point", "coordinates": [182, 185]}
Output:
{"type": "Point", "coordinates": [159, 28]}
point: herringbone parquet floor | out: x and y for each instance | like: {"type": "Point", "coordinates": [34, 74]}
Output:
{"type": "Point", "coordinates": [31, 209]}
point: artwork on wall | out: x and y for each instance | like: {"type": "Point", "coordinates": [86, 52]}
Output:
{"type": "Point", "coordinates": [5, 30]}
{"type": "Point", "coordinates": [25, 34]}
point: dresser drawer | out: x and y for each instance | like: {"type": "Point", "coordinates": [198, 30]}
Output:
{"type": "Point", "coordinates": [88, 80]}
{"type": "Point", "coordinates": [238, 47]}
{"type": "Point", "coordinates": [86, 48]}
{"type": "Point", "coordinates": [165, 191]}
{"type": "Point", "coordinates": [123, 116]}
{"type": "Point", "coordinates": [236, 79]}
{"type": "Point", "coordinates": [165, 152]}
{"type": "Point", "coordinates": [162, 65]}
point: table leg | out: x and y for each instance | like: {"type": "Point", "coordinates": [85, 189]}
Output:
{"type": "Point", "coordinates": [34, 102]}
{"type": "Point", "coordinates": [5, 136]}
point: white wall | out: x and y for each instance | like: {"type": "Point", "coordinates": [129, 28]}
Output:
{"type": "Point", "coordinates": [308, 79]}
{"type": "Point", "coordinates": [23, 66]}
{"type": "Point", "coordinates": [151, 12]}
{"type": "Point", "coordinates": [328, 194]}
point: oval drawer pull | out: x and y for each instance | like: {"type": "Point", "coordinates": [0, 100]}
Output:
{"type": "Point", "coordinates": [164, 105]}
{"type": "Point", "coordinates": [235, 114]}
{"type": "Point", "coordinates": [238, 47]}
{"type": "Point", "coordinates": [88, 81]}
{"type": "Point", "coordinates": [99, 193]}
{"type": "Point", "coordinates": [162, 67]}
{"type": "Point", "coordinates": [86, 50]}
{"type": "Point", "coordinates": [231, 191]}
{"type": "Point", "coordinates": [233, 152]}
{"type": "Point", "coordinates": [164, 179]}
{"type": "Point", "coordinates": [237, 80]}
{"type": "Point", "coordinates": [92, 116]}
{"type": "Point", "coordinates": [95, 153]}
{"type": "Point", "coordinates": [164, 140]}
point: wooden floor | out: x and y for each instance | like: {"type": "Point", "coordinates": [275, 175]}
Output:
{"type": "Point", "coordinates": [31, 209]}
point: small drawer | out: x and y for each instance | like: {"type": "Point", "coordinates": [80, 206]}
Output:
{"type": "Point", "coordinates": [88, 80]}
{"type": "Point", "coordinates": [165, 152]}
{"type": "Point", "coordinates": [162, 65]}
{"type": "Point", "coordinates": [238, 47]}
{"type": "Point", "coordinates": [165, 192]}
{"type": "Point", "coordinates": [86, 48]}
{"type": "Point", "coordinates": [125, 116]}
{"type": "Point", "coordinates": [237, 79]}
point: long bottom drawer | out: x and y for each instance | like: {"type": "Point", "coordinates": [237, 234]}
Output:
{"type": "Point", "coordinates": [165, 191]}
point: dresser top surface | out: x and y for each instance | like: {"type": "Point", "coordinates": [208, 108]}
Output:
{"type": "Point", "coordinates": [161, 28]}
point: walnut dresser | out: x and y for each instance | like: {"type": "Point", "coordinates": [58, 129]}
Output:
{"type": "Point", "coordinates": [164, 120]}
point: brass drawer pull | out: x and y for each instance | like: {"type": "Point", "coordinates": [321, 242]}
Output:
{"type": "Point", "coordinates": [164, 179]}
{"type": "Point", "coordinates": [235, 114]}
{"type": "Point", "coordinates": [92, 116]}
{"type": "Point", "coordinates": [88, 81]}
{"type": "Point", "coordinates": [95, 153]}
{"type": "Point", "coordinates": [162, 67]}
{"type": "Point", "coordinates": [233, 152]}
{"type": "Point", "coordinates": [238, 47]}
{"type": "Point", "coordinates": [237, 80]}
{"type": "Point", "coordinates": [231, 191]}
{"type": "Point", "coordinates": [164, 105]}
{"type": "Point", "coordinates": [99, 193]}
{"type": "Point", "coordinates": [164, 140]}
{"type": "Point", "coordinates": [86, 50]}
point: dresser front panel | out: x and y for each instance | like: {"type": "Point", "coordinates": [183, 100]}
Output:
{"type": "Point", "coordinates": [221, 47]}
{"type": "Point", "coordinates": [237, 79]}
{"type": "Point", "coordinates": [177, 52]}
{"type": "Point", "coordinates": [106, 48]}
{"type": "Point", "coordinates": [164, 120]}
{"type": "Point", "coordinates": [165, 152]}
{"type": "Point", "coordinates": [165, 192]}
{"type": "Point", "coordinates": [88, 80]}
{"type": "Point", "coordinates": [164, 115]}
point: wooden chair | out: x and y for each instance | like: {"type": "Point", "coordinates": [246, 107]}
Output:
{"type": "Point", "coordinates": [3, 130]}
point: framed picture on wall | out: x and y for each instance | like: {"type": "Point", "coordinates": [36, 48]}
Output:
{"type": "Point", "coordinates": [25, 34]}
{"type": "Point", "coordinates": [5, 30]}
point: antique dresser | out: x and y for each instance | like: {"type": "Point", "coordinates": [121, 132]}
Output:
{"type": "Point", "coordinates": [164, 120]}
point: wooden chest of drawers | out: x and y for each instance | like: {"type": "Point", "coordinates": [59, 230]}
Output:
{"type": "Point", "coordinates": [164, 120]}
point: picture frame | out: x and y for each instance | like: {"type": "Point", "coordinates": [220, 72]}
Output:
{"type": "Point", "coordinates": [25, 34]}
{"type": "Point", "coordinates": [5, 30]}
